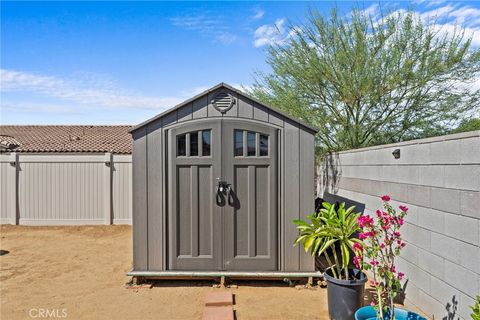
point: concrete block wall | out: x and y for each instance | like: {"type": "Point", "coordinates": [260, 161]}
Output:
{"type": "Point", "coordinates": [439, 180]}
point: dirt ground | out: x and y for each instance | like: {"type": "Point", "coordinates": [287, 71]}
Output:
{"type": "Point", "coordinates": [79, 273]}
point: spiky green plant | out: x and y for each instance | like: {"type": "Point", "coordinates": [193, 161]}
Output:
{"type": "Point", "coordinates": [476, 309]}
{"type": "Point", "coordinates": [330, 228]}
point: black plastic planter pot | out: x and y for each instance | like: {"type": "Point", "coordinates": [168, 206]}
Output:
{"type": "Point", "coordinates": [345, 296]}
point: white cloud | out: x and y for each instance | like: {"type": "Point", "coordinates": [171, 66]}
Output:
{"type": "Point", "coordinates": [28, 107]}
{"type": "Point", "coordinates": [429, 3]}
{"type": "Point", "coordinates": [258, 14]}
{"type": "Point", "coordinates": [270, 34]}
{"type": "Point", "coordinates": [83, 91]}
{"type": "Point", "coordinates": [371, 11]}
{"type": "Point", "coordinates": [213, 27]}
{"type": "Point", "coordinates": [450, 29]}
{"type": "Point", "coordinates": [449, 19]}
{"type": "Point", "coordinates": [463, 15]}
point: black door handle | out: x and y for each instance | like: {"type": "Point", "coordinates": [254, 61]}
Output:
{"type": "Point", "coordinates": [231, 195]}
{"type": "Point", "coordinates": [224, 189]}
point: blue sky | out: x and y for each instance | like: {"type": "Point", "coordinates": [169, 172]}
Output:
{"type": "Point", "coordinates": [123, 62]}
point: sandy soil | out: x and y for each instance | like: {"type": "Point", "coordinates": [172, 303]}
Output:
{"type": "Point", "coordinates": [79, 273]}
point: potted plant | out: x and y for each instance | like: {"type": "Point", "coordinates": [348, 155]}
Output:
{"type": "Point", "coordinates": [476, 309]}
{"type": "Point", "coordinates": [334, 229]}
{"type": "Point", "coordinates": [382, 242]}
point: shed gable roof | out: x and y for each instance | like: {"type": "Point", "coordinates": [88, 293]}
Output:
{"type": "Point", "coordinates": [215, 88]}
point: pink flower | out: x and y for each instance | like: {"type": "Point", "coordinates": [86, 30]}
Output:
{"type": "Point", "coordinates": [365, 235]}
{"type": "Point", "coordinates": [385, 198]}
{"type": "Point", "coordinates": [382, 245]}
{"type": "Point", "coordinates": [400, 221]}
{"type": "Point", "coordinates": [379, 213]}
{"type": "Point", "coordinates": [364, 221]}
{"type": "Point", "coordinates": [400, 275]}
{"type": "Point", "coordinates": [374, 263]}
{"type": "Point", "coordinates": [396, 234]}
{"type": "Point", "coordinates": [357, 261]}
{"type": "Point", "coordinates": [401, 244]}
{"type": "Point", "coordinates": [403, 208]}
{"type": "Point", "coordinates": [372, 304]}
{"type": "Point", "coordinates": [392, 269]}
{"type": "Point", "coordinates": [357, 247]}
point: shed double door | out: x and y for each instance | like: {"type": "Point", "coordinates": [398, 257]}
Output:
{"type": "Point", "coordinates": [229, 228]}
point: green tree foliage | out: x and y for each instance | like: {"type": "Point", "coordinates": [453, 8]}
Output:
{"type": "Point", "coordinates": [365, 81]}
{"type": "Point", "coordinates": [467, 125]}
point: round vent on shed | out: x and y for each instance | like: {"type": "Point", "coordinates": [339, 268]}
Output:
{"type": "Point", "coordinates": [223, 101]}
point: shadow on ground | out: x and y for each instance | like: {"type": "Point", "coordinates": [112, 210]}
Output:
{"type": "Point", "coordinates": [231, 282]}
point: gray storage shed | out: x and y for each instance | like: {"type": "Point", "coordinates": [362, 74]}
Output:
{"type": "Point", "coordinates": [217, 181]}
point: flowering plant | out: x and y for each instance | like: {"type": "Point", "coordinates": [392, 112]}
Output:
{"type": "Point", "coordinates": [382, 242]}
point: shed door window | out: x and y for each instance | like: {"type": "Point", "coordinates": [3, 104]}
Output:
{"type": "Point", "coordinates": [194, 144]}
{"type": "Point", "coordinates": [238, 143]}
{"type": "Point", "coordinates": [250, 144]}
{"type": "Point", "coordinates": [206, 142]}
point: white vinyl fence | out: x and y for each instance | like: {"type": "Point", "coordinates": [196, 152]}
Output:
{"type": "Point", "coordinates": [65, 189]}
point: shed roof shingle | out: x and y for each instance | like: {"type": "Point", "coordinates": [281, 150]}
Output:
{"type": "Point", "coordinates": [65, 138]}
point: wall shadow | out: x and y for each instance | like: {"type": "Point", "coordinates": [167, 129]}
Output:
{"type": "Point", "coordinates": [369, 295]}
{"type": "Point", "coordinates": [451, 309]}
{"type": "Point", "coordinates": [328, 174]}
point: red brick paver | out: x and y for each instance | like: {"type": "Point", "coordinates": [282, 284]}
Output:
{"type": "Point", "coordinates": [219, 298]}
{"type": "Point", "coordinates": [218, 313]}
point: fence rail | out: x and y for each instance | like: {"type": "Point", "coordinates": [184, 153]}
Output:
{"type": "Point", "coordinates": [65, 189]}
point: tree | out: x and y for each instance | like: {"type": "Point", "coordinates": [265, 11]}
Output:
{"type": "Point", "coordinates": [467, 125]}
{"type": "Point", "coordinates": [365, 81]}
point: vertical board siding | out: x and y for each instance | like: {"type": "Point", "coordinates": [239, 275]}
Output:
{"type": "Point", "coordinates": [155, 196]}
{"type": "Point", "coordinates": [298, 195]}
{"type": "Point", "coordinates": [65, 189]}
{"type": "Point", "coordinates": [7, 190]}
{"type": "Point", "coordinates": [291, 182]}
{"type": "Point", "coordinates": [122, 191]}
{"type": "Point", "coordinates": [45, 196]}
{"type": "Point", "coordinates": [307, 199]}
{"type": "Point", "coordinates": [140, 200]}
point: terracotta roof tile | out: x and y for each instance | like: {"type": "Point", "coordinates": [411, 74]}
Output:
{"type": "Point", "coordinates": [63, 138]}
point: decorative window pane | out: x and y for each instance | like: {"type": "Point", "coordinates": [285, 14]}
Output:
{"type": "Point", "coordinates": [238, 142]}
{"type": "Point", "coordinates": [251, 143]}
{"type": "Point", "coordinates": [263, 145]}
{"type": "Point", "coordinates": [194, 143]}
{"type": "Point", "coordinates": [206, 142]}
{"type": "Point", "coordinates": [181, 145]}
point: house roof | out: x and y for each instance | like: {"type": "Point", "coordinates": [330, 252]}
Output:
{"type": "Point", "coordinates": [65, 138]}
{"type": "Point", "coordinates": [214, 88]}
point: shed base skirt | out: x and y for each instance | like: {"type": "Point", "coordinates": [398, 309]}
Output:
{"type": "Point", "coordinates": [229, 274]}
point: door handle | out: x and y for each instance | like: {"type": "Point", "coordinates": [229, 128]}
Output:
{"type": "Point", "coordinates": [231, 196]}
{"type": "Point", "coordinates": [224, 189]}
